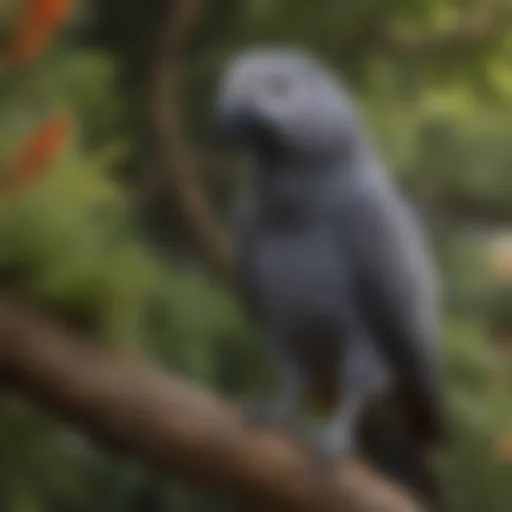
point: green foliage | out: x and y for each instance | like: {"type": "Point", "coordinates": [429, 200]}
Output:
{"type": "Point", "coordinates": [474, 479]}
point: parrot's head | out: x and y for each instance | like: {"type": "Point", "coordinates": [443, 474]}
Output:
{"type": "Point", "coordinates": [284, 103]}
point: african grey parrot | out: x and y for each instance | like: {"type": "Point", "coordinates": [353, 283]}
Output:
{"type": "Point", "coordinates": [332, 262]}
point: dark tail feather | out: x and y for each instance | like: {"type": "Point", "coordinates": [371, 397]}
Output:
{"type": "Point", "coordinates": [390, 450]}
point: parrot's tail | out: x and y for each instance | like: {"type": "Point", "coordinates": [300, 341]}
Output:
{"type": "Point", "coordinates": [395, 453]}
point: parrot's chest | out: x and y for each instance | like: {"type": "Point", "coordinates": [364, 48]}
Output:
{"type": "Point", "coordinates": [299, 273]}
{"type": "Point", "coordinates": [301, 283]}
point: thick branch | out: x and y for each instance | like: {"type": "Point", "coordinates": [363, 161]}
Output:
{"type": "Point", "coordinates": [170, 425]}
{"type": "Point", "coordinates": [176, 162]}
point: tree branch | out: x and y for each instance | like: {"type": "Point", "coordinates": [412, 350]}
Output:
{"type": "Point", "coordinates": [176, 163]}
{"type": "Point", "coordinates": [475, 25]}
{"type": "Point", "coordinates": [458, 207]}
{"type": "Point", "coordinates": [138, 409]}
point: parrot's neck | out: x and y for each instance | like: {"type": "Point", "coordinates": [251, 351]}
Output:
{"type": "Point", "coordinates": [293, 190]}
{"type": "Point", "coordinates": [309, 168]}
{"type": "Point", "coordinates": [287, 195]}
{"type": "Point", "coordinates": [348, 152]}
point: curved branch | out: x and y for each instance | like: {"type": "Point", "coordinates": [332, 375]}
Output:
{"type": "Point", "coordinates": [136, 408]}
{"type": "Point", "coordinates": [176, 161]}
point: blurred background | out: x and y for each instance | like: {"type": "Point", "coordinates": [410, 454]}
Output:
{"type": "Point", "coordinates": [104, 135]}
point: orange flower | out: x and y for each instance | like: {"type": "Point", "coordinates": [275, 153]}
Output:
{"type": "Point", "coordinates": [39, 20]}
{"type": "Point", "coordinates": [38, 151]}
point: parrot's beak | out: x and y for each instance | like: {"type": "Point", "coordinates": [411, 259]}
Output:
{"type": "Point", "coordinates": [235, 123]}
{"type": "Point", "coordinates": [242, 125]}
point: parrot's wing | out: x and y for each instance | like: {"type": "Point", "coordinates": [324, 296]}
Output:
{"type": "Point", "coordinates": [396, 291]}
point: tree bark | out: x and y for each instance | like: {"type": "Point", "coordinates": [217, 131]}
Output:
{"type": "Point", "coordinates": [136, 408]}
{"type": "Point", "coordinates": [176, 167]}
